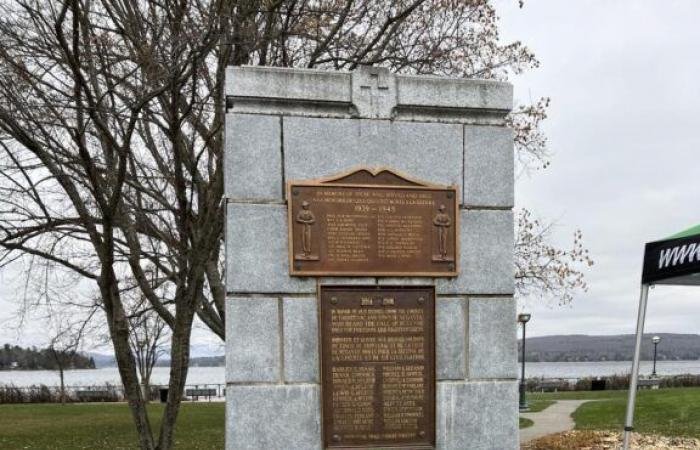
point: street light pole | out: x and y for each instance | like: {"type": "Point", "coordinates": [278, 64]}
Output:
{"type": "Point", "coordinates": [523, 319]}
{"type": "Point", "coordinates": [655, 340]}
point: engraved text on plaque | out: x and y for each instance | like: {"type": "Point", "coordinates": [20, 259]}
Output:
{"type": "Point", "coordinates": [378, 366]}
{"type": "Point", "coordinates": [372, 223]}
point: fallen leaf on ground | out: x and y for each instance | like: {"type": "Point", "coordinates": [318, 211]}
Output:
{"type": "Point", "coordinates": [609, 440]}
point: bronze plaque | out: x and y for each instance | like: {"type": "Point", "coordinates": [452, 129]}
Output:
{"type": "Point", "coordinates": [378, 366]}
{"type": "Point", "coordinates": [372, 222]}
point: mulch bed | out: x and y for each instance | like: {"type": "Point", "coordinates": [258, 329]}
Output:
{"type": "Point", "coordinates": [609, 440]}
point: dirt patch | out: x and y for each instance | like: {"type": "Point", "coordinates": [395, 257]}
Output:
{"type": "Point", "coordinates": [609, 440]}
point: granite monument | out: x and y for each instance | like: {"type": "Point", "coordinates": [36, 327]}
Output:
{"type": "Point", "coordinates": [369, 323]}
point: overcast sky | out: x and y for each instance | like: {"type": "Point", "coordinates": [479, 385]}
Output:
{"type": "Point", "coordinates": [623, 129]}
{"type": "Point", "coordinates": [624, 132]}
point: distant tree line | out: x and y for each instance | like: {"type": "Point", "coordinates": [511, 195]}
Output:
{"type": "Point", "coordinates": [612, 382]}
{"type": "Point", "coordinates": [580, 348]}
{"type": "Point", "coordinates": [15, 357]}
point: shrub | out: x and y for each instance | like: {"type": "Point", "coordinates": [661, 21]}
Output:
{"type": "Point", "coordinates": [612, 383]}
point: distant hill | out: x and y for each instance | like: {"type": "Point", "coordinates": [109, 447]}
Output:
{"type": "Point", "coordinates": [204, 361]}
{"type": "Point", "coordinates": [201, 355]}
{"type": "Point", "coordinates": [578, 347]}
{"type": "Point", "coordinates": [102, 361]}
{"type": "Point", "coordinates": [574, 347]}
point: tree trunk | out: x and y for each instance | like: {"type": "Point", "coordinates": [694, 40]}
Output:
{"type": "Point", "coordinates": [63, 386]}
{"type": "Point", "coordinates": [145, 392]}
{"type": "Point", "coordinates": [119, 331]}
{"type": "Point", "coordinates": [179, 363]}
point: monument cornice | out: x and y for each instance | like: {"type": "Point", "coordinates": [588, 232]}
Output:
{"type": "Point", "coordinates": [366, 93]}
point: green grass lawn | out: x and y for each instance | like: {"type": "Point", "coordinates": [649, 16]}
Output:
{"type": "Point", "coordinates": [525, 423]}
{"type": "Point", "coordinates": [669, 412]}
{"type": "Point", "coordinates": [537, 405]}
{"type": "Point", "coordinates": [103, 426]}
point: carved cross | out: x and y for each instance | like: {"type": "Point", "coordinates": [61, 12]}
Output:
{"type": "Point", "coordinates": [377, 89]}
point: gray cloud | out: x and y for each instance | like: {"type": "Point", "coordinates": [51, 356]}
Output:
{"type": "Point", "coordinates": [623, 129]}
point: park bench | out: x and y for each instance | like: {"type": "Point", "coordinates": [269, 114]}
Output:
{"type": "Point", "coordinates": [648, 383]}
{"type": "Point", "coordinates": [93, 396]}
{"type": "Point", "coordinates": [548, 386]}
{"type": "Point", "coordinates": [196, 393]}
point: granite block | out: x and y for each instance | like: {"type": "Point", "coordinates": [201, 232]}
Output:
{"type": "Point", "coordinates": [275, 83]}
{"type": "Point", "coordinates": [486, 260]}
{"type": "Point", "coordinates": [253, 157]}
{"type": "Point", "coordinates": [340, 281]}
{"type": "Point", "coordinates": [477, 415]}
{"type": "Point", "coordinates": [437, 92]}
{"type": "Point", "coordinates": [428, 151]}
{"type": "Point", "coordinates": [488, 166]}
{"type": "Point", "coordinates": [273, 417]}
{"type": "Point", "coordinates": [256, 251]}
{"type": "Point", "coordinates": [493, 344]}
{"type": "Point", "coordinates": [406, 281]}
{"type": "Point", "coordinates": [300, 318]}
{"type": "Point", "coordinates": [451, 336]}
{"type": "Point", "coordinates": [252, 339]}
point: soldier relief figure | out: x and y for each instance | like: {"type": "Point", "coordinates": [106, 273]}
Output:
{"type": "Point", "coordinates": [442, 222]}
{"type": "Point", "coordinates": [307, 219]}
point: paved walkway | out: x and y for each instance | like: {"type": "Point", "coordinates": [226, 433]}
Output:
{"type": "Point", "coordinates": [554, 419]}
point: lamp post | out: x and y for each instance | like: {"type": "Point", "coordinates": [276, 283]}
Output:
{"type": "Point", "coordinates": [523, 319]}
{"type": "Point", "coordinates": [655, 340]}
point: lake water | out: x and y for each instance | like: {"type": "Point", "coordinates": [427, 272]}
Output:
{"type": "Point", "coordinates": [215, 375]}
{"type": "Point", "coordinates": [604, 368]}
{"type": "Point", "coordinates": [92, 377]}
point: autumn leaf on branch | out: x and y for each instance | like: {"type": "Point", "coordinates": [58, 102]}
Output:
{"type": "Point", "coordinates": [543, 269]}
{"type": "Point", "coordinates": [530, 141]}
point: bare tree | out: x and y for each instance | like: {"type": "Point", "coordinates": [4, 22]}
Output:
{"type": "Point", "coordinates": [148, 338]}
{"type": "Point", "coordinates": [73, 96]}
{"type": "Point", "coordinates": [65, 340]}
{"type": "Point", "coordinates": [111, 119]}
{"type": "Point", "coordinates": [148, 333]}
{"type": "Point", "coordinates": [63, 347]}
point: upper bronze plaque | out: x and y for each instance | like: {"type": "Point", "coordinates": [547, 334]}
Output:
{"type": "Point", "coordinates": [372, 222]}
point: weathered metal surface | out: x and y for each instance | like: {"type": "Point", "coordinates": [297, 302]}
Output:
{"type": "Point", "coordinates": [378, 366]}
{"type": "Point", "coordinates": [372, 222]}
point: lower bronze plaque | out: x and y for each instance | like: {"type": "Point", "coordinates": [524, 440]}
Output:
{"type": "Point", "coordinates": [378, 366]}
